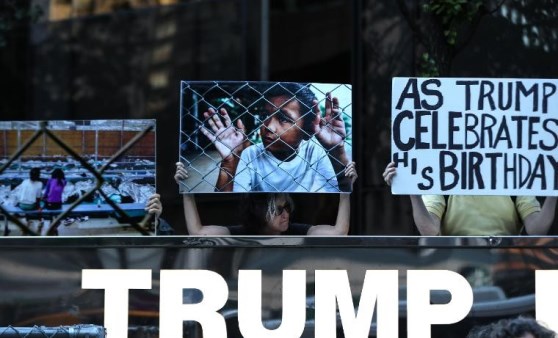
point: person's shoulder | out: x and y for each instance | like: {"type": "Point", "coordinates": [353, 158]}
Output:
{"type": "Point", "coordinates": [438, 199]}
{"type": "Point", "coordinates": [311, 143]}
{"type": "Point", "coordinates": [523, 198]}
{"type": "Point", "coordinates": [311, 147]}
{"type": "Point", "coordinates": [298, 229]}
{"type": "Point", "coordinates": [239, 230]}
{"type": "Point", "coordinates": [253, 150]}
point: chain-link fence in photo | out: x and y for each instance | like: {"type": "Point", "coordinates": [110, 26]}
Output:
{"type": "Point", "coordinates": [73, 331]}
{"type": "Point", "coordinates": [265, 136]}
{"type": "Point", "coordinates": [77, 178]}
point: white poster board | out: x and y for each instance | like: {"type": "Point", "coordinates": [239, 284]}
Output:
{"type": "Point", "coordinates": [475, 136]}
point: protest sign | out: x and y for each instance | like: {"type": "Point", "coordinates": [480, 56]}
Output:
{"type": "Point", "coordinates": [265, 136]}
{"type": "Point", "coordinates": [94, 177]}
{"type": "Point", "coordinates": [474, 136]}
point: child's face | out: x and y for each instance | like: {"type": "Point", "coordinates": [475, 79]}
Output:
{"type": "Point", "coordinates": [281, 130]}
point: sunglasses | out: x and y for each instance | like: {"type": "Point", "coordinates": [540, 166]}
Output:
{"type": "Point", "coordinates": [280, 209]}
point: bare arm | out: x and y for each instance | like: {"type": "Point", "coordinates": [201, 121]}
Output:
{"type": "Point", "coordinates": [538, 223]}
{"type": "Point", "coordinates": [343, 221]}
{"type": "Point", "coordinates": [229, 141]}
{"type": "Point", "coordinates": [193, 223]}
{"type": "Point", "coordinates": [225, 180]}
{"type": "Point", "coordinates": [427, 223]}
{"type": "Point", "coordinates": [330, 132]}
{"type": "Point", "coordinates": [339, 160]}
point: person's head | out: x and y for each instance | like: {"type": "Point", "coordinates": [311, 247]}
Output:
{"type": "Point", "coordinates": [35, 174]}
{"type": "Point", "coordinates": [115, 182]}
{"type": "Point", "coordinates": [58, 174]}
{"type": "Point", "coordinates": [267, 213]}
{"type": "Point", "coordinates": [520, 327]}
{"type": "Point", "coordinates": [288, 117]}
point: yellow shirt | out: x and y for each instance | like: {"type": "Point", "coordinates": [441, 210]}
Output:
{"type": "Point", "coordinates": [481, 215]}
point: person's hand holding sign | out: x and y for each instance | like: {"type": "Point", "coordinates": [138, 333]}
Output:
{"type": "Point", "coordinates": [427, 223]}
{"type": "Point", "coordinates": [154, 207]}
{"type": "Point", "coordinates": [229, 141]}
{"type": "Point", "coordinates": [389, 173]}
{"type": "Point", "coordinates": [330, 132]}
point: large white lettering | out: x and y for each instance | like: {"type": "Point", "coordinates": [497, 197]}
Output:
{"type": "Point", "coordinates": [546, 297]}
{"type": "Point", "coordinates": [421, 314]}
{"type": "Point", "coordinates": [116, 284]}
{"type": "Point", "coordinates": [250, 305]}
{"type": "Point", "coordinates": [333, 291]}
{"type": "Point", "coordinates": [173, 311]}
{"type": "Point", "coordinates": [332, 286]}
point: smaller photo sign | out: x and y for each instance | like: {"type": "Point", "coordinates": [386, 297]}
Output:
{"type": "Point", "coordinates": [77, 178]}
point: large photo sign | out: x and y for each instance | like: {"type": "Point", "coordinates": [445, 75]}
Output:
{"type": "Point", "coordinates": [474, 136]}
{"type": "Point", "coordinates": [77, 178]}
{"type": "Point", "coordinates": [265, 136]}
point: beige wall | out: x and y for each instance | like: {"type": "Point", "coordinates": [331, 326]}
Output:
{"type": "Point", "coordinates": [66, 9]}
{"type": "Point", "coordinates": [82, 142]}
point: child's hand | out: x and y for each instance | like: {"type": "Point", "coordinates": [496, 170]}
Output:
{"type": "Point", "coordinates": [329, 130]}
{"type": "Point", "coordinates": [228, 140]}
{"type": "Point", "coordinates": [181, 172]}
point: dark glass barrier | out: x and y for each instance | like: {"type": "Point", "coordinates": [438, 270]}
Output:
{"type": "Point", "coordinates": [41, 279]}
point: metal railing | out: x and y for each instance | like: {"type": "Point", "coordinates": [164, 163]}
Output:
{"type": "Point", "coordinates": [74, 331]}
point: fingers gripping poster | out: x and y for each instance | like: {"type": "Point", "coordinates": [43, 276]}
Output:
{"type": "Point", "coordinates": [473, 136]}
{"type": "Point", "coordinates": [265, 137]}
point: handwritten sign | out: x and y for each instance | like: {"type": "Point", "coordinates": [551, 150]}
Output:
{"type": "Point", "coordinates": [474, 136]}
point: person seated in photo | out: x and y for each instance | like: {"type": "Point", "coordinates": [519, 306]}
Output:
{"type": "Point", "coordinates": [468, 215]}
{"type": "Point", "coordinates": [54, 189]}
{"type": "Point", "coordinates": [301, 151]}
{"type": "Point", "coordinates": [267, 214]}
{"type": "Point", "coordinates": [31, 190]}
{"type": "Point", "coordinates": [520, 327]}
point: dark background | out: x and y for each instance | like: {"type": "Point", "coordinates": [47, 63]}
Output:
{"type": "Point", "coordinates": [128, 62]}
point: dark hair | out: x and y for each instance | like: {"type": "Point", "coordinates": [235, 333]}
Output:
{"type": "Point", "coordinates": [35, 174]}
{"type": "Point", "coordinates": [59, 175]}
{"type": "Point", "coordinates": [258, 209]}
{"type": "Point", "coordinates": [305, 97]}
{"type": "Point", "coordinates": [515, 327]}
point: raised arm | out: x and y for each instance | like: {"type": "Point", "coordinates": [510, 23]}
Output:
{"type": "Point", "coordinates": [427, 223]}
{"type": "Point", "coordinates": [330, 132]}
{"type": "Point", "coordinates": [193, 223]}
{"type": "Point", "coordinates": [343, 221]}
{"type": "Point", "coordinates": [538, 223]}
{"type": "Point", "coordinates": [229, 141]}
